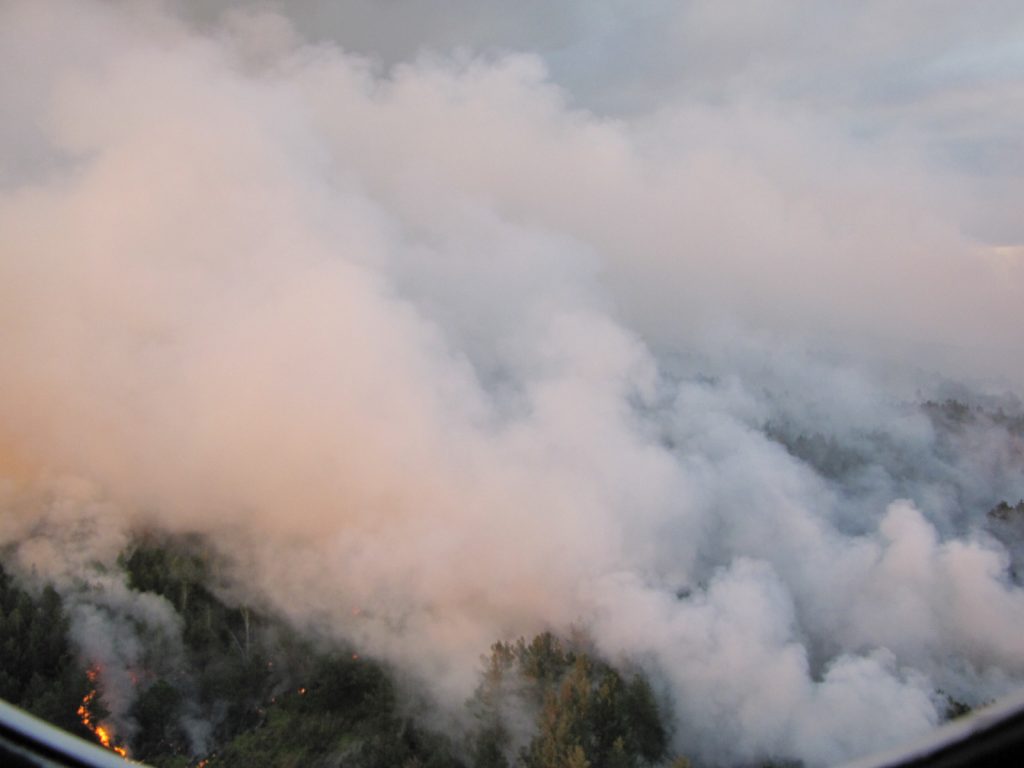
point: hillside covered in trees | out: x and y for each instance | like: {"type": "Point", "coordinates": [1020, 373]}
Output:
{"type": "Point", "coordinates": [249, 690]}
{"type": "Point", "coordinates": [155, 654]}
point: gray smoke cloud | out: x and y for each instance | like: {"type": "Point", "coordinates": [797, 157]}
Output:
{"type": "Point", "coordinates": [444, 336]}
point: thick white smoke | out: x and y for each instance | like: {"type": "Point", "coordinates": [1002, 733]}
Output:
{"type": "Point", "coordinates": [428, 341]}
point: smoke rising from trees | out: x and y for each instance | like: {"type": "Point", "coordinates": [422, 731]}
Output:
{"type": "Point", "coordinates": [460, 344]}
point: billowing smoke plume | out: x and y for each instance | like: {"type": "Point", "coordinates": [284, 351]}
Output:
{"type": "Point", "coordinates": [463, 342]}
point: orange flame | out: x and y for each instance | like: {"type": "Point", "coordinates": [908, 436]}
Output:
{"type": "Point", "coordinates": [102, 733]}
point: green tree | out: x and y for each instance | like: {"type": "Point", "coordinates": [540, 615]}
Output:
{"type": "Point", "coordinates": [157, 712]}
{"type": "Point", "coordinates": [577, 758]}
{"type": "Point", "coordinates": [38, 671]}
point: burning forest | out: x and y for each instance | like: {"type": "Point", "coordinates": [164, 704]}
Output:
{"type": "Point", "coordinates": [87, 714]}
{"type": "Point", "coordinates": [420, 384]}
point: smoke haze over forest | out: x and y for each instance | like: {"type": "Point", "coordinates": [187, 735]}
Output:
{"type": "Point", "coordinates": [448, 322]}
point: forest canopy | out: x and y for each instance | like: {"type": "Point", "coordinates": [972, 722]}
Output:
{"type": "Point", "coordinates": [249, 690]}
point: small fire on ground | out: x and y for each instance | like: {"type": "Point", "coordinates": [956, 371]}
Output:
{"type": "Point", "coordinates": [102, 732]}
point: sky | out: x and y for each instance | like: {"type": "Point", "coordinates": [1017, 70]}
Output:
{"type": "Point", "coordinates": [485, 320]}
{"type": "Point", "coordinates": [852, 150]}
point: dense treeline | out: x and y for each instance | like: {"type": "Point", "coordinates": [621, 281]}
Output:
{"type": "Point", "coordinates": [38, 671]}
{"type": "Point", "coordinates": [587, 712]}
{"type": "Point", "coordinates": [951, 413]}
{"type": "Point", "coordinates": [1005, 512]}
{"type": "Point", "coordinates": [241, 688]}
{"type": "Point", "coordinates": [270, 696]}
{"type": "Point", "coordinates": [224, 683]}
{"type": "Point", "coordinates": [244, 689]}
{"type": "Point", "coordinates": [844, 459]}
